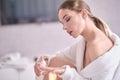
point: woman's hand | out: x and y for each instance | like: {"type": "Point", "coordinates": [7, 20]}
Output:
{"type": "Point", "coordinates": [55, 70]}
{"type": "Point", "coordinates": [37, 69]}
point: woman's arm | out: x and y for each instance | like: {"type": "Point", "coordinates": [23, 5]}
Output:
{"type": "Point", "coordinates": [63, 69]}
{"type": "Point", "coordinates": [59, 62]}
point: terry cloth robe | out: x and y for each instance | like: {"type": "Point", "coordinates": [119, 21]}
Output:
{"type": "Point", "coordinates": [102, 68]}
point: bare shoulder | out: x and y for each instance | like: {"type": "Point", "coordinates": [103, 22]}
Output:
{"type": "Point", "coordinates": [98, 48]}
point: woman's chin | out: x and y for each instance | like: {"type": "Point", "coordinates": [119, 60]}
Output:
{"type": "Point", "coordinates": [74, 36]}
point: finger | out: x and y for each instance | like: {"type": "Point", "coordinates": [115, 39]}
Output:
{"type": "Point", "coordinates": [36, 70]}
{"type": "Point", "coordinates": [43, 73]}
{"type": "Point", "coordinates": [40, 59]}
{"type": "Point", "coordinates": [59, 71]}
{"type": "Point", "coordinates": [38, 62]}
{"type": "Point", "coordinates": [48, 69]}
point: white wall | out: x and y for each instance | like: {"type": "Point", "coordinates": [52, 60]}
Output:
{"type": "Point", "coordinates": [33, 39]}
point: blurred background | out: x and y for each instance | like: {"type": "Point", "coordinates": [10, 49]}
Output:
{"type": "Point", "coordinates": [30, 28]}
{"type": "Point", "coordinates": [26, 11]}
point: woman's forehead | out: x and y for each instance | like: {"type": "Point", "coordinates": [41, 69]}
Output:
{"type": "Point", "coordinates": [63, 12]}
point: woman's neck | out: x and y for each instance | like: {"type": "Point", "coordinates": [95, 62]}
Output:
{"type": "Point", "coordinates": [92, 33]}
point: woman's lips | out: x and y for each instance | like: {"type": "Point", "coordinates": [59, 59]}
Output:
{"type": "Point", "coordinates": [69, 32]}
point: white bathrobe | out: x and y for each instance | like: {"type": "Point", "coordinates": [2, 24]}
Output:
{"type": "Point", "coordinates": [103, 68]}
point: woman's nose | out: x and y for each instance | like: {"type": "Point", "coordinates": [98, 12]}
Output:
{"type": "Point", "coordinates": [64, 27]}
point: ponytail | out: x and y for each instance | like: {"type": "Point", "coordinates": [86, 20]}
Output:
{"type": "Point", "coordinates": [101, 24]}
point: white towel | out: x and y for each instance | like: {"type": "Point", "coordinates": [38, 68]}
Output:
{"type": "Point", "coordinates": [14, 61]}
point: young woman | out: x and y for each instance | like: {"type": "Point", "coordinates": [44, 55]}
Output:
{"type": "Point", "coordinates": [95, 56]}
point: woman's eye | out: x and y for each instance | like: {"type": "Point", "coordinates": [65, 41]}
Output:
{"type": "Point", "coordinates": [68, 19]}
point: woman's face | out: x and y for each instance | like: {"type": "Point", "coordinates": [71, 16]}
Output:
{"type": "Point", "coordinates": [72, 21]}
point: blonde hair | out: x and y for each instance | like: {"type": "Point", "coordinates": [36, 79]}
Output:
{"type": "Point", "coordinates": [78, 5]}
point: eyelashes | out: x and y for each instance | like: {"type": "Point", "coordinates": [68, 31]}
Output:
{"type": "Point", "coordinates": [68, 19]}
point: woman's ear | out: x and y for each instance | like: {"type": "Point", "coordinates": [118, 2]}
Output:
{"type": "Point", "coordinates": [84, 13]}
